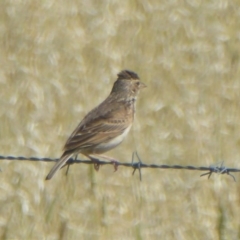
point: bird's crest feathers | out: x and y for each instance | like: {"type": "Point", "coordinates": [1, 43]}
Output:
{"type": "Point", "coordinates": [126, 74]}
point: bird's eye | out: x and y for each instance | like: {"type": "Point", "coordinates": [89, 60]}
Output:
{"type": "Point", "coordinates": [138, 83]}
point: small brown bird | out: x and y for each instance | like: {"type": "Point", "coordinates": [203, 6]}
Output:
{"type": "Point", "coordinates": [105, 126]}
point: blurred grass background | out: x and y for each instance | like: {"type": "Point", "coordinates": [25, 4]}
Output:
{"type": "Point", "coordinates": [59, 59]}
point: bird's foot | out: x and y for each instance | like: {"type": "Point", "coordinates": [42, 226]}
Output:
{"type": "Point", "coordinates": [115, 164]}
{"type": "Point", "coordinates": [112, 160]}
{"type": "Point", "coordinates": [96, 163]}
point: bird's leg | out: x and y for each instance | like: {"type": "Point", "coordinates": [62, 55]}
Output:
{"type": "Point", "coordinates": [114, 161]}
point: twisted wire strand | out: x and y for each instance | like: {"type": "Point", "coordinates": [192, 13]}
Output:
{"type": "Point", "coordinates": [218, 168]}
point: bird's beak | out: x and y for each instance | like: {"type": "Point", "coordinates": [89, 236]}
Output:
{"type": "Point", "coordinates": [142, 85]}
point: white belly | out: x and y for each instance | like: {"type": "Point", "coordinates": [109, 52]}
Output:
{"type": "Point", "coordinates": [103, 147]}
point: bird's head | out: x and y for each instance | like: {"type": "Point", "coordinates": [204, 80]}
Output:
{"type": "Point", "coordinates": [128, 84]}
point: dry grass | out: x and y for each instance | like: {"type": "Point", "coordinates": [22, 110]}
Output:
{"type": "Point", "coordinates": [59, 59]}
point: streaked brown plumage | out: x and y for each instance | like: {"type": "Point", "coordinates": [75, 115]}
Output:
{"type": "Point", "coordinates": [105, 126]}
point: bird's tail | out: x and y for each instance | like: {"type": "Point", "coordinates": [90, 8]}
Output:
{"type": "Point", "coordinates": [60, 163]}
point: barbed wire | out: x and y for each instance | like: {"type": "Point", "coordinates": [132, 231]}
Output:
{"type": "Point", "coordinates": [217, 168]}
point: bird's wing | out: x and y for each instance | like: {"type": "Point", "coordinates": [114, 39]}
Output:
{"type": "Point", "coordinates": [97, 127]}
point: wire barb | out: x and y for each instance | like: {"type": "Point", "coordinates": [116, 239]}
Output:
{"type": "Point", "coordinates": [137, 165]}
{"type": "Point", "coordinates": [68, 163]}
{"type": "Point", "coordinates": [221, 169]}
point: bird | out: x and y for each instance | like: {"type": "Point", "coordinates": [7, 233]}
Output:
{"type": "Point", "coordinates": [104, 127]}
